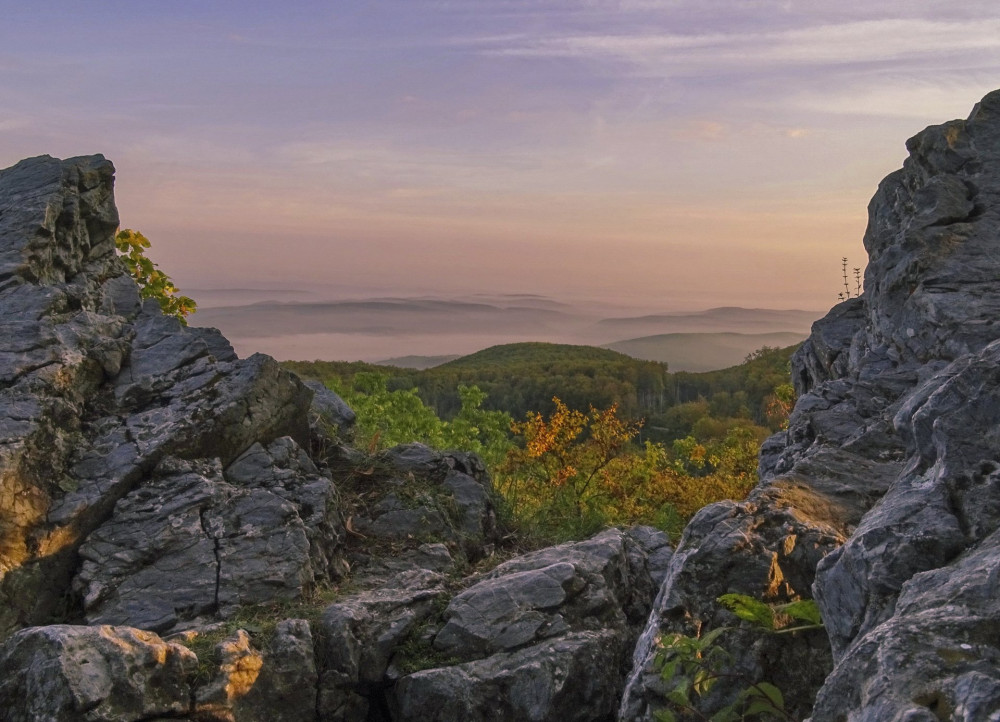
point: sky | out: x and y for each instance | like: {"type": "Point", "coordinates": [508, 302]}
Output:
{"type": "Point", "coordinates": [679, 154]}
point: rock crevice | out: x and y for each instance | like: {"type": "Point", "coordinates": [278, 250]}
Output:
{"type": "Point", "coordinates": [885, 478]}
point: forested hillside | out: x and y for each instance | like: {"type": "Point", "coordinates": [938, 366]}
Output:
{"type": "Point", "coordinates": [579, 437]}
{"type": "Point", "coordinates": [525, 377]}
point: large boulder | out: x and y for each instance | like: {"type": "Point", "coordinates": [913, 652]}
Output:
{"type": "Point", "coordinates": [187, 543]}
{"type": "Point", "coordinates": [880, 499]}
{"type": "Point", "coordinates": [64, 673]}
{"type": "Point", "coordinates": [277, 682]}
{"type": "Point", "coordinates": [573, 678]}
{"type": "Point", "coordinates": [361, 634]}
{"type": "Point", "coordinates": [543, 636]}
{"type": "Point", "coordinates": [103, 401]}
{"type": "Point", "coordinates": [413, 494]}
{"type": "Point", "coordinates": [593, 584]}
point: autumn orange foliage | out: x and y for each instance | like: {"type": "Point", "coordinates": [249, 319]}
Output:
{"type": "Point", "coordinates": [576, 472]}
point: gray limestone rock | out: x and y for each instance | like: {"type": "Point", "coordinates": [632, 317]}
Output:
{"type": "Point", "coordinates": [575, 678]}
{"type": "Point", "coordinates": [283, 468]}
{"type": "Point", "coordinates": [286, 688]}
{"type": "Point", "coordinates": [97, 389]}
{"type": "Point", "coordinates": [64, 673]}
{"type": "Point", "coordinates": [330, 411]}
{"type": "Point", "coordinates": [360, 635]}
{"type": "Point", "coordinates": [881, 497]}
{"type": "Point", "coordinates": [187, 544]}
{"type": "Point", "coordinates": [591, 584]}
{"type": "Point", "coordinates": [239, 667]}
{"type": "Point", "coordinates": [423, 495]}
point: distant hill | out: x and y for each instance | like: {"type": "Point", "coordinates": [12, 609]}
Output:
{"type": "Point", "coordinates": [382, 317]}
{"type": "Point", "coordinates": [538, 353]}
{"type": "Point", "coordinates": [417, 362]}
{"type": "Point", "coordinates": [523, 377]}
{"type": "Point", "coordinates": [418, 331]}
{"type": "Point", "coordinates": [703, 351]}
{"type": "Point", "coordinates": [729, 319]}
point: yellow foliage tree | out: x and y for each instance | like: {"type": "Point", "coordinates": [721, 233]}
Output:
{"type": "Point", "coordinates": [153, 283]}
{"type": "Point", "coordinates": [573, 473]}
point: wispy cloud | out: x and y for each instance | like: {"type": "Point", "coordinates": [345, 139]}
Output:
{"type": "Point", "coordinates": [873, 41]}
{"type": "Point", "coordinates": [932, 99]}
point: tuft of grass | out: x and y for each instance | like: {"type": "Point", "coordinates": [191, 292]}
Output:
{"type": "Point", "coordinates": [259, 621]}
{"type": "Point", "coordinates": [417, 653]}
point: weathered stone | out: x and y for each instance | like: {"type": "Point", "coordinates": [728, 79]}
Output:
{"type": "Point", "coordinates": [429, 496]}
{"type": "Point", "coordinates": [936, 657]}
{"type": "Point", "coordinates": [95, 390]}
{"type": "Point", "coordinates": [882, 494]}
{"type": "Point", "coordinates": [583, 585]}
{"type": "Point", "coordinates": [237, 673]}
{"type": "Point", "coordinates": [286, 687]}
{"type": "Point", "coordinates": [63, 673]}
{"type": "Point", "coordinates": [361, 634]}
{"type": "Point", "coordinates": [508, 612]}
{"type": "Point", "coordinates": [284, 469]}
{"type": "Point", "coordinates": [575, 678]}
{"type": "Point", "coordinates": [330, 410]}
{"type": "Point", "coordinates": [655, 546]}
{"type": "Point", "coordinates": [187, 544]}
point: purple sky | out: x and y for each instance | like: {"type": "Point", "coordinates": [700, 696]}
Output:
{"type": "Point", "coordinates": [681, 154]}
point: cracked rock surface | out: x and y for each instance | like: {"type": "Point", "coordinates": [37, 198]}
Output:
{"type": "Point", "coordinates": [116, 424]}
{"type": "Point", "coordinates": [881, 498]}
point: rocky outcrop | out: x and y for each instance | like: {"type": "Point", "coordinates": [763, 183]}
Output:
{"type": "Point", "coordinates": [575, 677]}
{"type": "Point", "coordinates": [881, 498]}
{"type": "Point", "coordinates": [544, 636]}
{"type": "Point", "coordinates": [362, 634]}
{"type": "Point", "coordinates": [93, 674]}
{"type": "Point", "coordinates": [153, 481]}
{"type": "Point", "coordinates": [116, 426]}
{"type": "Point", "coordinates": [584, 585]}
{"type": "Point", "coordinates": [425, 495]}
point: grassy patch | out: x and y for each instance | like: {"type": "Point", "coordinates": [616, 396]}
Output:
{"type": "Point", "coordinates": [416, 652]}
{"type": "Point", "coordinates": [259, 621]}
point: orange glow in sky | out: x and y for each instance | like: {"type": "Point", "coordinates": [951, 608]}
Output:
{"type": "Point", "coordinates": [681, 154]}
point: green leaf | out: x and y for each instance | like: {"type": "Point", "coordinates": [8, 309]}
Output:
{"type": "Point", "coordinates": [152, 282]}
{"type": "Point", "coordinates": [679, 694]}
{"type": "Point", "coordinates": [668, 671]}
{"type": "Point", "coordinates": [805, 610]}
{"type": "Point", "coordinates": [727, 714]}
{"type": "Point", "coordinates": [759, 707]}
{"type": "Point", "coordinates": [710, 637]}
{"type": "Point", "coordinates": [703, 681]}
{"type": "Point", "coordinates": [664, 715]}
{"type": "Point", "coordinates": [773, 694]}
{"type": "Point", "coordinates": [749, 609]}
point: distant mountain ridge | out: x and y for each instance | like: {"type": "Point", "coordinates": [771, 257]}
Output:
{"type": "Point", "coordinates": [420, 332]}
{"type": "Point", "coordinates": [703, 351]}
{"type": "Point", "coordinates": [732, 319]}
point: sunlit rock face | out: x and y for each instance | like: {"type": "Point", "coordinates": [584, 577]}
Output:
{"type": "Point", "coordinates": [123, 434]}
{"type": "Point", "coordinates": [882, 499]}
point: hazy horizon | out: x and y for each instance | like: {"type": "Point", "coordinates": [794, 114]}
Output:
{"type": "Point", "coordinates": [310, 325]}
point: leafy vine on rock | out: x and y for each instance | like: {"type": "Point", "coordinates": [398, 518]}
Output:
{"type": "Point", "coordinates": [690, 667]}
{"type": "Point", "coordinates": [153, 283]}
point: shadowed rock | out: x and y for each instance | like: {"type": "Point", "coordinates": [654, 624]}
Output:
{"type": "Point", "coordinates": [879, 499]}
{"type": "Point", "coordinates": [98, 393]}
